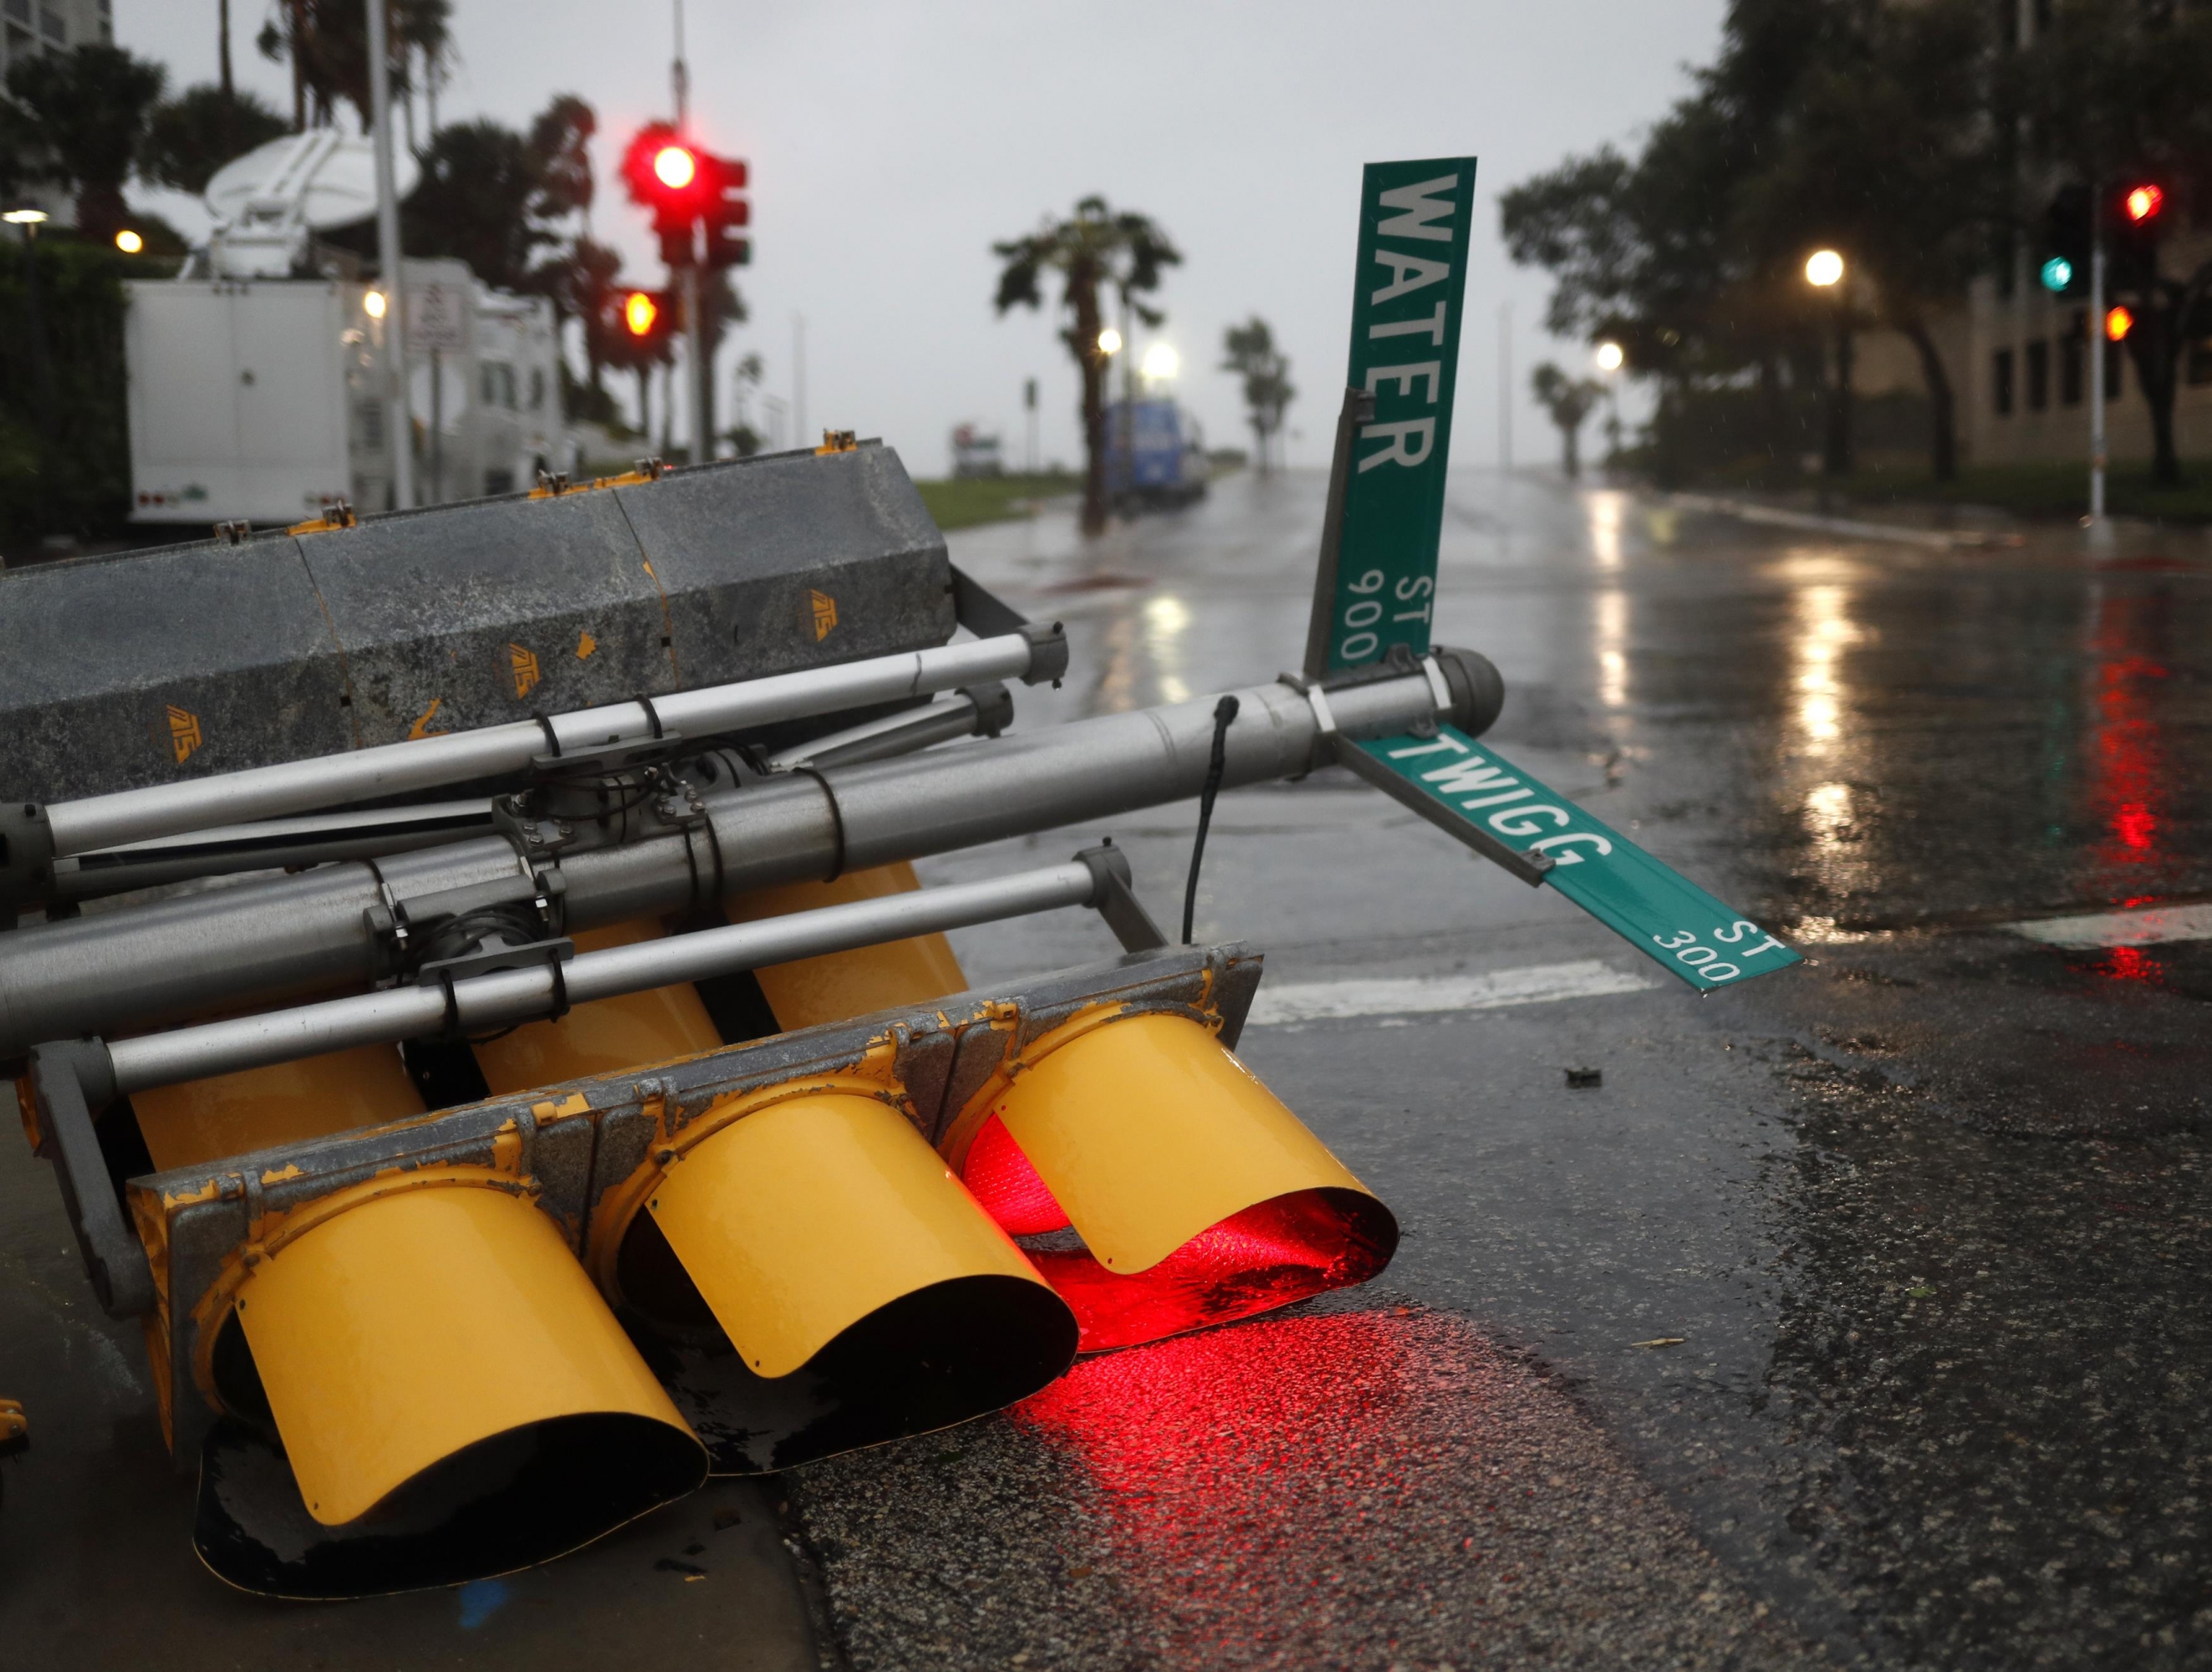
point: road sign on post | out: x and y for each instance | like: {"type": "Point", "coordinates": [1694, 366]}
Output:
{"type": "Point", "coordinates": [1387, 494]}
{"type": "Point", "coordinates": [1376, 593]}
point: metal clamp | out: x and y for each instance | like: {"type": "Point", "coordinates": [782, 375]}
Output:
{"type": "Point", "coordinates": [1117, 900]}
{"type": "Point", "coordinates": [68, 1078]}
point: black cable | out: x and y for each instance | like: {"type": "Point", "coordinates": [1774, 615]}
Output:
{"type": "Point", "coordinates": [1223, 712]}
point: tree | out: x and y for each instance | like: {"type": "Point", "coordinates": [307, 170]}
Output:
{"type": "Point", "coordinates": [1251, 353]}
{"type": "Point", "coordinates": [741, 435]}
{"type": "Point", "coordinates": [193, 135]}
{"type": "Point", "coordinates": [1885, 155]}
{"type": "Point", "coordinates": [327, 44]}
{"type": "Point", "coordinates": [1094, 246]}
{"type": "Point", "coordinates": [80, 116]}
{"type": "Point", "coordinates": [1568, 401]}
{"type": "Point", "coordinates": [2111, 91]}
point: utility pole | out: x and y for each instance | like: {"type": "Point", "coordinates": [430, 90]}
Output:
{"type": "Point", "coordinates": [398, 432]}
{"type": "Point", "coordinates": [798, 432]}
{"type": "Point", "coordinates": [2098, 347]}
{"type": "Point", "coordinates": [689, 281]}
{"type": "Point", "coordinates": [1505, 389]}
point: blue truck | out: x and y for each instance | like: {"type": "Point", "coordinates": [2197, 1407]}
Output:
{"type": "Point", "coordinates": [1155, 455]}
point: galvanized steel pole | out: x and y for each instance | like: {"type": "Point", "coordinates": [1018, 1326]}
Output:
{"type": "Point", "coordinates": [398, 429]}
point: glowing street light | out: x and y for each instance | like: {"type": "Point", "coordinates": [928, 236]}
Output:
{"type": "Point", "coordinates": [24, 217]}
{"type": "Point", "coordinates": [1610, 357]}
{"type": "Point", "coordinates": [1824, 268]}
{"type": "Point", "coordinates": [1110, 341]}
{"type": "Point", "coordinates": [372, 303]}
{"type": "Point", "coordinates": [129, 241]}
{"type": "Point", "coordinates": [1161, 363]}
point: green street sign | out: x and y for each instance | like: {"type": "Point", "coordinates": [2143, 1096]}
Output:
{"type": "Point", "coordinates": [1394, 438]}
{"type": "Point", "coordinates": [1486, 799]}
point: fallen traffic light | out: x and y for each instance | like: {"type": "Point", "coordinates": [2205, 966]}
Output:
{"type": "Point", "coordinates": [1198, 1197]}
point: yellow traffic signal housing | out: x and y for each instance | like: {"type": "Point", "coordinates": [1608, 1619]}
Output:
{"type": "Point", "coordinates": [1198, 1197]}
{"type": "Point", "coordinates": [846, 1289]}
{"type": "Point", "coordinates": [445, 1346]}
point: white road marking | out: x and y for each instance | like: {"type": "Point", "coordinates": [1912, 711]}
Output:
{"type": "Point", "coordinates": [1540, 983]}
{"type": "Point", "coordinates": [2143, 927]}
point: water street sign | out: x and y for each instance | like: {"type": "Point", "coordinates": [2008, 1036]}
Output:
{"type": "Point", "coordinates": [1387, 494]}
{"type": "Point", "coordinates": [1664, 916]}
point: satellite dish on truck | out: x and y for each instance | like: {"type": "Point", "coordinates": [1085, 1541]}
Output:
{"type": "Point", "coordinates": [265, 202]}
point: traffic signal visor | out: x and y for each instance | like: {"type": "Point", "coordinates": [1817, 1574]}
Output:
{"type": "Point", "coordinates": [862, 1293]}
{"type": "Point", "coordinates": [1197, 1196]}
{"type": "Point", "coordinates": [453, 1397]}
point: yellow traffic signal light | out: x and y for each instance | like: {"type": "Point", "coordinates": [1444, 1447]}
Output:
{"type": "Point", "coordinates": [2118, 322]}
{"type": "Point", "coordinates": [1198, 1197]}
{"type": "Point", "coordinates": [640, 312]}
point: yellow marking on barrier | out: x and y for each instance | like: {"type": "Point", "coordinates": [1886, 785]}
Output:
{"type": "Point", "coordinates": [838, 440]}
{"type": "Point", "coordinates": [277, 1175]}
{"type": "Point", "coordinates": [586, 644]}
{"type": "Point", "coordinates": [825, 614]}
{"type": "Point", "coordinates": [422, 728]}
{"type": "Point", "coordinates": [522, 663]}
{"type": "Point", "coordinates": [185, 736]}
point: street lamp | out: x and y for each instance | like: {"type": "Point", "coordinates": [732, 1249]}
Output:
{"type": "Point", "coordinates": [1824, 271]}
{"type": "Point", "coordinates": [24, 218]}
{"type": "Point", "coordinates": [372, 303]}
{"type": "Point", "coordinates": [1110, 341]}
{"type": "Point", "coordinates": [1610, 356]}
{"type": "Point", "coordinates": [129, 241]}
{"type": "Point", "coordinates": [1162, 362]}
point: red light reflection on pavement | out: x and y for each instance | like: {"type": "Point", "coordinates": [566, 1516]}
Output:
{"type": "Point", "coordinates": [1261, 1474]}
{"type": "Point", "coordinates": [2132, 964]}
{"type": "Point", "coordinates": [1268, 1256]}
{"type": "Point", "coordinates": [2128, 753]}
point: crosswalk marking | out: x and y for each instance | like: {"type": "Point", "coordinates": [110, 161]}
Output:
{"type": "Point", "coordinates": [2142, 927]}
{"type": "Point", "coordinates": [1535, 984]}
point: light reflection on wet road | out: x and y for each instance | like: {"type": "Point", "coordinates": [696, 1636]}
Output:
{"type": "Point", "coordinates": [1931, 1216]}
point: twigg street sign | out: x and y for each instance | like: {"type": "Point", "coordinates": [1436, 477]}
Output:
{"type": "Point", "coordinates": [1377, 586]}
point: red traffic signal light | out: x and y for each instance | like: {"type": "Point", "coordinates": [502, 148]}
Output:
{"type": "Point", "coordinates": [2142, 204]}
{"type": "Point", "coordinates": [662, 170]}
{"type": "Point", "coordinates": [675, 167]}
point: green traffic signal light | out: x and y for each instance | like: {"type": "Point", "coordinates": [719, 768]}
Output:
{"type": "Point", "coordinates": [2058, 274]}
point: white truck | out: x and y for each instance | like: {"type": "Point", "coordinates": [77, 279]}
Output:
{"type": "Point", "coordinates": [256, 395]}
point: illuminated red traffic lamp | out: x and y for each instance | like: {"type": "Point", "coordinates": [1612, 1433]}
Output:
{"type": "Point", "coordinates": [676, 166]}
{"type": "Point", "coordinates": [2142, 204]}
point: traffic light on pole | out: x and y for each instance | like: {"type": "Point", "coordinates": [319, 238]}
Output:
{"type": "Point", "coordinates": [669, 176]}
{"type": "Point", "coordinates": [727, 213]}
{"type": "Point", "coordinates": [2064, 268]}
{"type": "Point", "coordinates": [2137, 216]}
{"type": "Point", "coordinates": [647, 318]}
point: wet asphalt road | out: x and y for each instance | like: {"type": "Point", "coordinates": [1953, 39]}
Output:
{"type": "Point", "coordinates": [1930, 1216]}
{"type": "Point", "coordinates": [1929, 1220]}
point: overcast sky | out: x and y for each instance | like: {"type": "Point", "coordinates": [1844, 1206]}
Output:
{"type": "Point", "coordinates": [892, 141]}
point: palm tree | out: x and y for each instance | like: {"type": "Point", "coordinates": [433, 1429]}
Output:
{"type": "Point", "coordinates": [326, 43]}
{"type": "Point", "coordinates": [1568, 401]}
{"type": "Point", "coordinates": [190, 136]}
{"type": "Point", "coordinates": [1095, 247]}
{"type": "Point", "coordinates": [1252, 355]}
{"type": "Point", "coordinates": [85, 114]}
